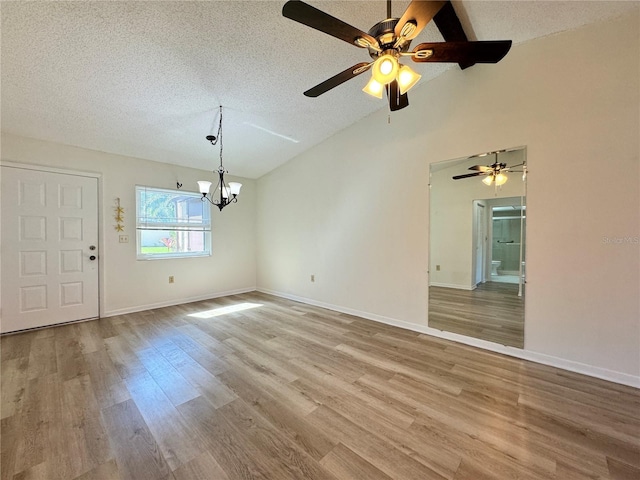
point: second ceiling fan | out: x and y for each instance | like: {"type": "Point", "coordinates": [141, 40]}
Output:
{"type": "Point", "coordinates": [493, 174]}
{"type": "Point", "coordinates": [389, 40]}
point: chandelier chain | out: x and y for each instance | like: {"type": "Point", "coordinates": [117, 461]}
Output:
{"type": "Point", "coordinates": [220, 136]}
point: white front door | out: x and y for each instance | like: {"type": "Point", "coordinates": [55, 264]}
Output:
{"type": "Point", "coordinates": [49, 248]}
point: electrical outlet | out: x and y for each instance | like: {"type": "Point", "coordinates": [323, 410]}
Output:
{"type": "Point", "coordinates": [313, 278]}
{"type": "Point", "coordinates": [437, 268]}
{"type": "Point", "coordinates": [123, 238]}
{"type": "Point", "coordinates": [171, 279]}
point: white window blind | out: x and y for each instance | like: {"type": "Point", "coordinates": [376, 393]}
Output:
{"type": "Point", "coordinates": [171, 223]}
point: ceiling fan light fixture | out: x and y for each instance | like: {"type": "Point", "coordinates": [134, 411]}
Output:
{"type": "Point", "coordinates": [385, 69]}
{"type": "Point", "coordinates": [373, 88]}
{"type": "Point", "coordinates": [390, 39]}
{"type": "Point", "coordinates": [501, 179]}
{"type": "Point", "coordinates": [488, 180]}
{"type": "Point", "coordinates": [407, 78]}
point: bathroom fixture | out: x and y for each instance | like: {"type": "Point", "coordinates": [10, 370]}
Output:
{"type": "Point", "coordinates": [495, 265]}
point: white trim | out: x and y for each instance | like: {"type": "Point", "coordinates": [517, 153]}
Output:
{"type": "Point", "coordinates": [170, 303]}
{"type": "Point", "coordinates": [45, 168]}
{"type": "Point", "coordinates": [42, 327]}
{"type": "Point", "coordinates": [452, 285]}
{"type": "Point", "coordinates": [570, 365]}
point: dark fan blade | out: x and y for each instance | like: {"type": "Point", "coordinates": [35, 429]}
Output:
{"type": "Point", "coordinates": [396, 101]}
{"type": "Point", "coordinates": [465, 52]}
{"type": "Point", "coordinates": [419, 12]}
{"type": "Point", "coordinates": [468, 175]}
{"type": "Point", "coordinates": [450, 27]}
{"type": "Point", "coordinates": [449, 24]}
{"type": "Point", "coordinates": [481, 168]}
{"type": "Point", "coordinates": [314, 18]}
{"type": "Point", "coordinates": [517, 165]}
{"type": "Point", "coordinates": [336, 80]}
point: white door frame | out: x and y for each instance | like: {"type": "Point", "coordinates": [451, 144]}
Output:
{"type": "Point", "coordinates": [479, 243]}
{"type": "Point", "coordinates": [80, 173]}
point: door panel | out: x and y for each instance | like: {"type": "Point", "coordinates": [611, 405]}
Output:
{"type": "Point", "coordinates": [49, 221]}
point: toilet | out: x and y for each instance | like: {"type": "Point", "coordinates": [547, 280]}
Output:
{"type": "Point", "coordinates": [495, 265]}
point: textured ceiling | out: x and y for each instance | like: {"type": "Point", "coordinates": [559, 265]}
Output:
{"type": "Point", "coordinates": [144, 79]}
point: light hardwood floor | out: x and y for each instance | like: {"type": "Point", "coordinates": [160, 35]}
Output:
{"type": "Point", "coordinates": [289, 391]}
{"type": "Point", "coordinates": [492, 312]}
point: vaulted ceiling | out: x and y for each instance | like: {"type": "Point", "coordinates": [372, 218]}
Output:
{"type": "Point", "coordinates": [145, 79]}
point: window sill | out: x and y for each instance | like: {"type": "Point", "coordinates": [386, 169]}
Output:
{"type": "Point", "coordinates": [169, 257]}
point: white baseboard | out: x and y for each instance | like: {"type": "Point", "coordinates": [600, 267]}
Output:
{"type": "Point", "coordinates": [452, 285]}
{"type": "Point", "coordinates": [170, 303]}
{"type": "Point", "coordinates": [564, 364]}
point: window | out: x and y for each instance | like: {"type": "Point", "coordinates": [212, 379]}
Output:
{"type": "Point", "coordinates": [171, 224]}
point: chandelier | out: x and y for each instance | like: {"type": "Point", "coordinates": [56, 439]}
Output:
{"type": "Point", "coordinates": [224, 194]}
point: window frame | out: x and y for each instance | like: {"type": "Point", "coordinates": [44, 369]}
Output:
{"type": "Point", "coordinates": [142, 224]}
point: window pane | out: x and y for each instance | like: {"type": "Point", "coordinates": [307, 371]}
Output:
{"type": "Point", "coordinates": [167, 242]}
{"type": "Point", "coordinates": [158, 206]}
{"type": "Point", "coordinates": [171, 223]}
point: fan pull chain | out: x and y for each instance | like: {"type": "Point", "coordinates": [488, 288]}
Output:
{"type": "Point", "coordinates": [389, 119]}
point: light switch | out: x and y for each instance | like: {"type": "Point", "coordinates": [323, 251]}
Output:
{"type": "Point", "coordinates": [123, 238]}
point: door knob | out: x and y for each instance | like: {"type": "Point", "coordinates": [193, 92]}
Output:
{"type": "Point", "coordinates": [92, 257]}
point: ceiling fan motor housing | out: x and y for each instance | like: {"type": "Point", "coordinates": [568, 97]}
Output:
{"type": "Point", "coordinates": [384, 32]}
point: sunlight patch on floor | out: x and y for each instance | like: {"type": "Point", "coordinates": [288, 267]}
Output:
{"type": "Point", "coordinates": [216, 312]}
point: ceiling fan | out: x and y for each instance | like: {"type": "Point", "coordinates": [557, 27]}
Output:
{"type": "Point", "coordinates": [389, 40]}
{"type": "Point", "coordinates": [495, 173]}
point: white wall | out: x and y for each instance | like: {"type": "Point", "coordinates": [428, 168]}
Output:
{"type": "Point", "coordinates": [354, 210]}
{"type": "Point", "coordinates": [129, 284]}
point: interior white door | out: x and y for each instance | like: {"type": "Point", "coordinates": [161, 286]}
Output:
{"type": "Point", "coordinates": [49, 248]}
